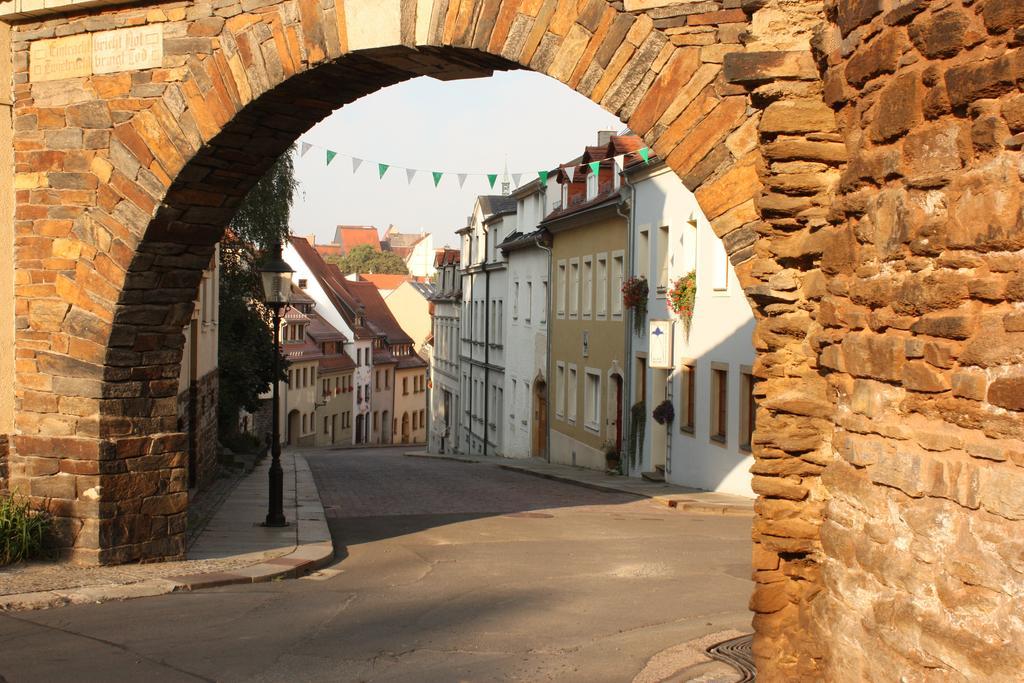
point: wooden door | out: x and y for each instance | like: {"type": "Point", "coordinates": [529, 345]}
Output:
{"type": "Point", "coordinates": [540, 420]}
{"type": "Point", "coordinates": [618, 412]}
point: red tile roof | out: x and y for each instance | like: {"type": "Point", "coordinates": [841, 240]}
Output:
{"type": "Point", "coordinates": [446, 257]}
{"type": "Point", "coordinates": [378, 315]}
{"type": "Point", "coordinates": [349, 236]}
{"type": "Point", "coordinates": [384, 281]}
{"type": "Point", "coordinates": [329, 249]}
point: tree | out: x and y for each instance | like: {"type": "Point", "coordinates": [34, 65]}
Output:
{"type": "Point", "coordinates": [366, 259]}
{"type": "Point", "coordinates": [245, 335]}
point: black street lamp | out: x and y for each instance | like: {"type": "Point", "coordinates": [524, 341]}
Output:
{"type": "Point", "coordinates": [277, 290]}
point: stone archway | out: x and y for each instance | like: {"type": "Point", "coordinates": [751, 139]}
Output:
{"type": "Point", "coordinates": [148, 166]}
{"type": "Point", "coordinates": [884, 306]}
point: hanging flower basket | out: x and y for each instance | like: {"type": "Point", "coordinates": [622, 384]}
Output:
{"type": "Point", "coordinates": [634, 297]}
{"type": "Point", "coordinates": [664, 413]}
{"type": "Point", "coordinates": [682, 298]}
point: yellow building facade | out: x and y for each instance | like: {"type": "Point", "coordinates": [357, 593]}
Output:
{"type": "Point", "coordinates": [587, 333]}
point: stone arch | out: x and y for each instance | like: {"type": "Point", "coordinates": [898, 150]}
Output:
{"type": "Point", "coordinates": [125, 182]}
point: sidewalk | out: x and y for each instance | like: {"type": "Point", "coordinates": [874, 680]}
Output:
{"type": "Point", "coordinates": [233, 548]}
{"type": "Point", "coordinates": [678, 497]}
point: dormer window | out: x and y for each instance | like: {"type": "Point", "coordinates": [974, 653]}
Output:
{"type": "Point", "coordinates": [303, 283]}
{"type": "Point", "coordinates": [592, 183]}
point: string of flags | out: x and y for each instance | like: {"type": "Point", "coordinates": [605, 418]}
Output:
{"type": "Point", "coordinates": [330, 155]}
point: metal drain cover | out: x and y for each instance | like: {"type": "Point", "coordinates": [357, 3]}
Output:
{"type": "Point", "coordinates": [738, 654]}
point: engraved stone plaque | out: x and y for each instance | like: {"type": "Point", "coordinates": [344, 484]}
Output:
{"type": "Point", "coordinates": [70, 57]}
{"type": "Point", "coordinates": [127, 49]}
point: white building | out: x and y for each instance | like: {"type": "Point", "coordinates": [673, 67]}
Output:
{"type": "Point", "coordinates": [527, 252]}
{"type": "Point", "coordinates": [482, 356]}
{"type": "Point", "coordinates": [709, 381]}
{"type": "Point", "coordinates": [417, 250]}
{"type": "Point", "coordinates": [445, 346]}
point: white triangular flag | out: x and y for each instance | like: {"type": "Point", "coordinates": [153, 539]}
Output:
{"type": "Point", "coordinates": [516, 177]}
{"type": "Point", "coordinates": [620, 161]}
{"type": "Point", "coordinates": [462, 179]}
{"type": "Point", "coordinates": [355, 164]}
{"type": "Point", "coordinates": [410, 173]}
{"type": "Point", "coordinates": [305, 148]}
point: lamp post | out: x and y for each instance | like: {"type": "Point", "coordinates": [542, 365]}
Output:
{"type": "Point", "coordinates": [277, 289]}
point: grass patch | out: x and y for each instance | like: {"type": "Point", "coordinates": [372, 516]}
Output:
{"type": "Point", "coordinates": [24, 532]}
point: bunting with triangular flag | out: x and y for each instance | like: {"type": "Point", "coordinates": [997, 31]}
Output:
{"type": "Point", "coordinates": [330, 157]}
{"type": "Point", "coordinates": [491, 179]}
{"type": "Point", "coordinates": [437, 177]}
{"type": "Point", "coordinates": [382, 169]}
{"type": "Point", "coordinates": [517, 178]}
{"type": "Point", "coordinates": [305, 147]}
{"type": "Point", "coordinates": [595, 167]}
{"type": "Point", "coordinates": [620, 162]}
{"type": "Point", "coordinates": [356, 163]}
{"type": "Point", "coordinates": [410, 173]}
{"type": "Point", "coordinates": [543, 175]}
{"type": "Point", "coordinates": [645, 152]}
{"type": "Point", "coordinates": [462, 179]}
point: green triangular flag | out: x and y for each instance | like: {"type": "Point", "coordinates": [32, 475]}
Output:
{"type": "Point", "coordinates": [645, 152]}
{"type": "Point", "coordinates": [437, 177]}
{"type": "Point", "coordinates": [595, 167]}
{"type": "Point", "coordinates": [382, 169]}
{"type": "Point", "coordinates": [491, 177]}
{"type": "Point", "coordinates": [330, 156]}
{"type": "Point", "coordinates": [543, 175]}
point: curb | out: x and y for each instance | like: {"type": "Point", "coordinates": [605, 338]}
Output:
{"type": "Point", "coordinates": [681, 504]}
{"type": "Point", "coordinates": [314, 549]}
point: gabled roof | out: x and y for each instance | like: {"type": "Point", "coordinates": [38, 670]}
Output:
{"type": "Point", "coordinates": [496, 205]}
{"type": "Point", "coordinates": [447, 257]}
{"type": "Point", "coordinates": [349, 236]}
{"type": "Point", "coordinates": [405, 239]}
{"type": "Point", "coordinates": [378, 315]}
{"type": "Point", "coordinates": [331, 280]}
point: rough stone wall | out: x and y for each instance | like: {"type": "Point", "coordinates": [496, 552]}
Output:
{"type": "Point", "coordinates": [922, 328]}
{"type": "Point", "coordinates": [207, 443]}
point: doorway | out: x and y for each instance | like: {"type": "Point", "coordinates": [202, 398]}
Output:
{"type": "Point", "coordinates": [539, 447]}
{"type": "Point", "coordinates": [294, 430]}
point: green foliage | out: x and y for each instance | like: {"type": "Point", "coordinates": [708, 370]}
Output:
{"type": "Point", "coordinates": [245, 334]}
{"type": "Point", "coordinates": [23, 532]}
{"type": "Point", "coordinates": [683, 297]}
{"type": "Point", "coordinates": [243, 443]}
{"type": "Point", "coordinates": [366, 259]}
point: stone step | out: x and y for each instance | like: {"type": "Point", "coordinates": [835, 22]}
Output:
{"type": "Point", "coordinates": [657, 475]}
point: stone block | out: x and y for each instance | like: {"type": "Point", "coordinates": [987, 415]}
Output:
{"type": "Point", "coordinates": [898, 109]}
{"type": "Point", "coordinates": [797, 116]}
{"type": "Point", "coordinates": [881, 56]}
{"type": "Point", "coordinates": [761, 67]}
{"type": "Point", "coordinates": [1003, 15]}
{"type": "Point", "coordinates": [991, 78]}
{"type": "Point", "coordinates": [373, 23]}
{"type": "Point", "coordinates": [1007, 392]}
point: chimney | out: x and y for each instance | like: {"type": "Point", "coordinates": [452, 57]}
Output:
{"type": "Point", "coordinates": [604, 137]}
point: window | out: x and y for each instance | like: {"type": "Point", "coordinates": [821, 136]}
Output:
{"type": "Point", "coordinates": [662, 249]}
{"type": "Point", "coordinates": [643, 254]}
{"type": "Point", "coordinates": [377, 380]}
{"type": "Point", "coordinates": [544, 303]}
{"type": "Point", "coordinates": [592, 179]}
{"type": "Point", "coordinates": [305, 423]}
{"type": "Point", "coordinates": [515, 301]}
{"type": "Point", "coordinates": [574, 287]}
{"type": "Point", "coordinates": [302, 283]}
{"type": "Point", "coordinates": [405, 386]}
{"type": "Point", "coordinates": [588, 285]}
{"type": "Point", "coordinates": [602, 285]}
{"type": "Point", "coordinates": [327, 425]}
{"type": "Point", "coordinates": [592, 400]}
{"type": "Point", "coordinates": [415, 417]}
{"type": "Point", "coordinates": [570, 409]}
{"type": "Point", "coordinates": [748, 408]}
{"type": "Point", "coordinates": [529, 302]}
{"type": "Point", "coordinates": [560, 389]}
{"type": "Point", "coordinates": [561, 284]}
{"type": "Point", "coordinates": [423, 418]}
{"type": "Point", "coordinates": [618, 273]}
{"type": "Point", "coordinates": [305, 377]}
{"type": "Point", "coordinates": [719, 402]}
{"type": "Point", "coordinates": [376, 415]}
{"type": "Point", "coordinates": [688, 381]}
{"type": "Point", "coordinates": [720, 275]}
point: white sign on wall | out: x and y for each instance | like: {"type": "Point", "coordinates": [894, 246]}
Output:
{"type": "Point", "coordinates": [659, 346]}
{"type": "Point", "coordinates": [123, 49]}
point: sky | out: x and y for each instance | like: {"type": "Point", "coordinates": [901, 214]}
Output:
{"type": "Point", "coordinates": [533, 121]}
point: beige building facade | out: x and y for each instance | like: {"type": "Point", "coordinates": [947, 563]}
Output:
{"type": "Point", "coordinates": [408, 303]}
{"type": "Point", "coordinates": [198, 379]}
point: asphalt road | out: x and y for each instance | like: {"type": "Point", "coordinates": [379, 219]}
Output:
{"type": "Point", "coordinates": [445, 572]}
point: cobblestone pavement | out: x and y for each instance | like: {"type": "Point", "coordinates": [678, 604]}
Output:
{"type": "Point", "coordinates": [445, 572]}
